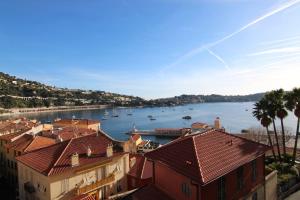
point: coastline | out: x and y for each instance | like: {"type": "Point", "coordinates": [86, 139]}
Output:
{"type": "Point", "coordinates": [20, 111]}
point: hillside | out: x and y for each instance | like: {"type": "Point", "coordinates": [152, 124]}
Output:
{"type": "Point", "coordinates": [21, 93]}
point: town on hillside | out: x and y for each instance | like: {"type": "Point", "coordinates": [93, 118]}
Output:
{"type": "Point", "coordinates": [75, 159]}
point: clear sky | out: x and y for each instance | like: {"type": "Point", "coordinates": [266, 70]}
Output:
{"type": "Point", "coordinates": [153, 48]}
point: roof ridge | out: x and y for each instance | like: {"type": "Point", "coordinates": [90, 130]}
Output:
{"type": "Point", "coordinates": [33, 137]}
{"type": "Point", "coordinates": [144, 163]}
{"type": "Point", "coordinates": [195, 151]}
{"type": "Point", "coordinates": [69, 142]}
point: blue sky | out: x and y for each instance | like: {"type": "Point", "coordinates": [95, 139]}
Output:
{"type": "Point", "coordinates": [153, 48]}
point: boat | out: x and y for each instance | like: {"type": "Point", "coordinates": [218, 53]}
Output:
{"type": "Point", "coordinates": [115, 115]}
{"type": "Point", "coordinates": [149, 116]}
{"type": "Point", "coordinates": [104, 118]}
{"type": "Point", "coordinates": [191, 108]}
{"type": "Point", "coordinates": [187, 117]}
{"type": "Point", "coordinates": [106, 113]}
{"type": "Point", "coordinates": [152, 119]}
{"type": "Point", "coordinates": [129, 114]}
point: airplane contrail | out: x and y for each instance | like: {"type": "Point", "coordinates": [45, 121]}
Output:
{"type": "Point", "coordinates": [204, 47]}
{"type": "Point", "coordinates": [219, 58]}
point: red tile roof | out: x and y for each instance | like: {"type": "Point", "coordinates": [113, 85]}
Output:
{"type": "Point", "coordinates": [135, 137]}
{"type": "Point", "coordinates": [56, 159]}
{"type": "Point", "coordinates": [11, 136]}
{"type": "Point", "coordinates": [84, 197]}
{"type": "Point", "coordinates": [76, 121]}
{"type": "Point", "coordinates": [150, 192]}
{"type": "Point", "coordinates": [205, 157]}
{"type": "Point", "coordinates": [68, 133]}
{"type": "Point", "coordinates": [142, 168]}
{"type": "Point", "coordinates": [29, 142]}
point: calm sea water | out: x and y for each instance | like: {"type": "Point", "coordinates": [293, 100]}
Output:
{"type": "Point", "coordinates": [234, 117]}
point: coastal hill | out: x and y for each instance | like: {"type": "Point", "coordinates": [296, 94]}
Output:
{"type": "Point", "coordinates": [21, 93]}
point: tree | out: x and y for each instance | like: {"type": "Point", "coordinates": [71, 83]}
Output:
{"type": "Point", "coordinates": [281, 113]}
{"type": "Point", "coordinates": [271, 108]}
{"type": "Point", "coordinates": [260, 113]}
{"type": "Point", "coordinates": [293, 104]}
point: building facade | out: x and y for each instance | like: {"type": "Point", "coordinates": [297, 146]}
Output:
{"type": "Point", "coordinates": [213, 165]}
{"type": "Point", "coordinates": [90, 165]}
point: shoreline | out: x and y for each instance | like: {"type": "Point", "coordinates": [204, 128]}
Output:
{"type": "Point", "coordinates": [21, 111]}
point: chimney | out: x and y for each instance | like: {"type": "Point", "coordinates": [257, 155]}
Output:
{"type": "Point", "coordinates": [75, 160]}
{"type": "Point", "coordinates": [109, 150]}
{"type": "Point", "coordinates": [88, 151]}
{"type": "Point", "coordinates": [59, 139]}
{"type": "Point", "coordinates": [217, 123]}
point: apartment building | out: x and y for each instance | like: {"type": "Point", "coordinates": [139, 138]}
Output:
{"type": "Point", "coordinates": [213, 165]}
{"type": "Point", "coordinates": [92, 166]}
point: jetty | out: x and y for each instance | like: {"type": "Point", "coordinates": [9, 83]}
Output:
{"type": "Point", "coordinates": [161, 132]}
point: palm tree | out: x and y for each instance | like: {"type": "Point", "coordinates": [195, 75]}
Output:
{"type": "Point", "coordinates": [281, 113]}
{"type": "Point", "coordinates": [271, 108]}
{"type": "Point", "coordinates": [259, 112]}
{"type": "Point", "coordinates": [293, 104]}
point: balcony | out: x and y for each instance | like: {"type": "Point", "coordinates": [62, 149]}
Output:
{"type": "Point", "coordinates": [96, 185]}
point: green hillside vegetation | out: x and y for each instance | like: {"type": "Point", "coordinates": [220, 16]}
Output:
{"type": "Point", "coordinates": [21, 93]}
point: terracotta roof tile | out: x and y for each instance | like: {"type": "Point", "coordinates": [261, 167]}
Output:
{"type": "Point", "coordinates": [142, 168]}
{"type": "Point", "coordinates": [55, 159]}
{"type": "Point", "coordinates": [135, 137]}
{"type": "Point", "coordinates": [68, 133]}
{"type": "Point", "coordinates": [84, 197]}
{"type": "Point", "coordinates": [150, 192]}
{"type": "Point", "coordinates": [11, 136]}
{"type": "Point", "coordinates": [207, 156]}
{"type": "Point", "coordinates": [76, 121]}
{"type": "Point", "coordinates": [29, 142]}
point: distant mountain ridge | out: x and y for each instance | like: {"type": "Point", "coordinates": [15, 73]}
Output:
{"type": "Point", "coordinates": [21, 93]}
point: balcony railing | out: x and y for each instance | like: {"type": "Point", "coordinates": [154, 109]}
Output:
{"type": "Point", "coordinates": [96, 185]}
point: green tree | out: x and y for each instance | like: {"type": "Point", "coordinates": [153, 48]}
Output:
{"type": "Point", "coordinates": [271, 108]}
{"type": "Point", "coordinates": [293, 104]}
{"type": "Point", "coordinates": [281, 113]}
{"type": "Point", "coordinates": [260, 113]}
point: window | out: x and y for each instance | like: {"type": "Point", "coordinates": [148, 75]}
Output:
{"type": "Point", "coordinates": [222, 189]}
{"type": "Point", "coordinates": [240, 178]}
{"type": "Point", "coordinates": [254, 196]}
{"type": "Point", "coordinates": [185, 189]}
{"type": "Point", "coordinates": [64, 185]}
{"type": "Point", "coordinates": [119, 186]}
{"type": "Point", "coordinates": [8, 163]}
{"type": "Point", "coordinates": [16, 166]}
{"type": "Point", "coordinates": [254, 170]}
{"type": "Point", "coordinates": [15, 152]}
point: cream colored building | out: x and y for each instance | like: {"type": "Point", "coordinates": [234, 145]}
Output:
{"type": "Point", "coordinates": [93, 165]}
{"type": "Point", "coordinates": [80, 123]}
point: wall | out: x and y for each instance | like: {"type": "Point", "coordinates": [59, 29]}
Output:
{"type": "Point", "coordinates": [271, 186]}
{"type": "Point", "coordinates": [172, 186]}
{"type": "Point", "coordinates": [53, 184]}
{"type": "Point", "coordinates": [27, 174]}
{"type": "Point", "coordinates": [209, 191]}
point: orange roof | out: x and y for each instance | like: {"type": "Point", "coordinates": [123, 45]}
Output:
{"type": "Point", "coordinates": [150, 192]}
{"type": "Point", "coordinates": [55, 159]}
{"type": "Point", "coordinates": [68, 133]}
{"type": "Point", "coordinates": [142, 168]}
{"type": "Point", "coordinates": [84, 197]}
{"type": "Point", "coordinates": [28, 143]}
{"type": "Point", "coordinates": [76, 122]}
{"type": "Point", "coordinates": [135, 137]}
{"type": "Point", "coordinates": [206, 156]}
{"type": "Point", "coordinates": [11, 136]}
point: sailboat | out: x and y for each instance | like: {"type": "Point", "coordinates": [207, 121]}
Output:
{"type": "Point", "coordinates": [106, 113]}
